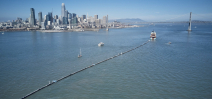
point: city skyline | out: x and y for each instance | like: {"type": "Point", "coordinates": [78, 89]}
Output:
{"type": "Point", "coordinates": [146, 10]}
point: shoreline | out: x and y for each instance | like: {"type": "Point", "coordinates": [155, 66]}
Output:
{"type": "Point", "coordinates": [68, 30]}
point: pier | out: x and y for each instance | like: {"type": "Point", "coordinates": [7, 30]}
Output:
{"type": "Point", "coordinates": [51, 83]}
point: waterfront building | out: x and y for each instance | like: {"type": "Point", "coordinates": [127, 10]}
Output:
{"type": "Point", "coordinates": [40, 18]}
{"type": "Point", "coordinates": [32, 17]}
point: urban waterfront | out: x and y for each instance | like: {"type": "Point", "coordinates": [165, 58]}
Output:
{"type": "Point", "coordinates": [181, 69]}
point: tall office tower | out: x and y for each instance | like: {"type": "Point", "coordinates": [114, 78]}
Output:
{"type": "Point", "coordinates": [50, 16]}
{"type": "Point", "coordinates": [32, 17]}
{"type": "Point", "coordinates": [56, 17]}
{"type": "Point", "coordinates": [66, 13]}
{"type": "Point", "coordinates": [95, 17]}
{"type": "Point", "coordinates": [63, 10]}
{"type": "Point", "coordinates": [74, 21]}
{"type": "Point", "coordinates": [84, 17]}
{"type": "Point", "coordinates": [65, 20]}
{"type": "Point", "coordinates": [47, 18]}
{"type": "Point", "coordinates": [69, 16]}
{"type": "Point", "coordinates": [74, 15]}
{"type": "Point", "coordinates": [40, 18]}
{"type": "Point", "coordinates": [104, 20]}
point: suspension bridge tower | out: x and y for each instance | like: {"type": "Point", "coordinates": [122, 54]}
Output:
{"type": "Point", "coordinates": [189, 27]}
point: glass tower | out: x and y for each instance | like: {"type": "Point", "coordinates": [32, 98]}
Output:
{"type": "Point", "coordinates": [32, 17]}
{"type": "Point", "coordinates": [63, 10]}
{"type": "Point", "coordinates": [50, 16]}
{"type": "Point", "coordinates": [40, 18]}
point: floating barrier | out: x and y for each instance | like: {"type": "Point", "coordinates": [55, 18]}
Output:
{"type": "Point", "coordinates": [80, 71]}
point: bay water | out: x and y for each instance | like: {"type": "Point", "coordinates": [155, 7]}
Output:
{"type": "Point", "coordinates": [182, 69]}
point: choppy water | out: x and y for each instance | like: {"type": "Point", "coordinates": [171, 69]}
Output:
{"type": "Point", "coordinates": [29, 60]}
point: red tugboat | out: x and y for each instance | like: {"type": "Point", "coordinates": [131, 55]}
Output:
{"type": "Point", "coordinates": [153, 35]}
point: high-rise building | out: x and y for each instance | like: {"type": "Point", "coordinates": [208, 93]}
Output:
{"type": "Point", "coordinates": [84, 17]}
{"type": "Point", "coordinates": [95, 17]}
{"type": "Point", "coordinates": [74, 15]}
{"type": "Point", "coordinates": [104, 20]}
{"type": "Point", "coordinates": [69, 16]}
{"type": "Point", "coordinates": [66, 13]}
{"type": "Point", "coordinates": [47, 18]}
{"type": "Point", "coordinates": [74, 21]}
{"type": "Point", "coordinates": [40, 18]}
{"type": "Point", "coordinates": [63, 10]}
{"type": "Point", "coordinates": [65, 20]}
{"type": "Point", "coordinates": [32, 17]}
{"type": "Point", "coordinates": [56, 17]}
{"type": "Point", "coordinates": [50, 16]}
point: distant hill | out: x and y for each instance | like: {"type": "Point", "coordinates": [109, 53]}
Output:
{"type": "Point", "coordinates": [127, 20]}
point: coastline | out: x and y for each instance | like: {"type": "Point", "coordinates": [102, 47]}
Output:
{"type": "Point", "coordinates": [67, 30]}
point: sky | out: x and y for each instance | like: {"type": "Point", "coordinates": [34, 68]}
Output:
{"type": "Point", "coordinates": [147, 10]}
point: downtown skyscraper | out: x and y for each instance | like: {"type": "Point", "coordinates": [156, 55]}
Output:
{"type": "Point", "coordinates": [64, 15]}
{"type": "Point", "coordinates": [63, 10]}
{"type": "Point", "coordinates": [32, 17]}
{"type": "Point", "coordinates": [40, 18]}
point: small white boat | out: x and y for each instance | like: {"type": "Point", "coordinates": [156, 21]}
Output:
{"type": "Point", "coordinates": [153, 35]}
{"type": "Point", "coordinates": [80, 55]}
{"type": "Point", "coordinates": [2, 32]}
{"type": "Point", "coordinates": [101, 44]}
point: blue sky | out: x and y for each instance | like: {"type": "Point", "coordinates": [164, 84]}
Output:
{"type": "Point", "coordinates": [147, 10]}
